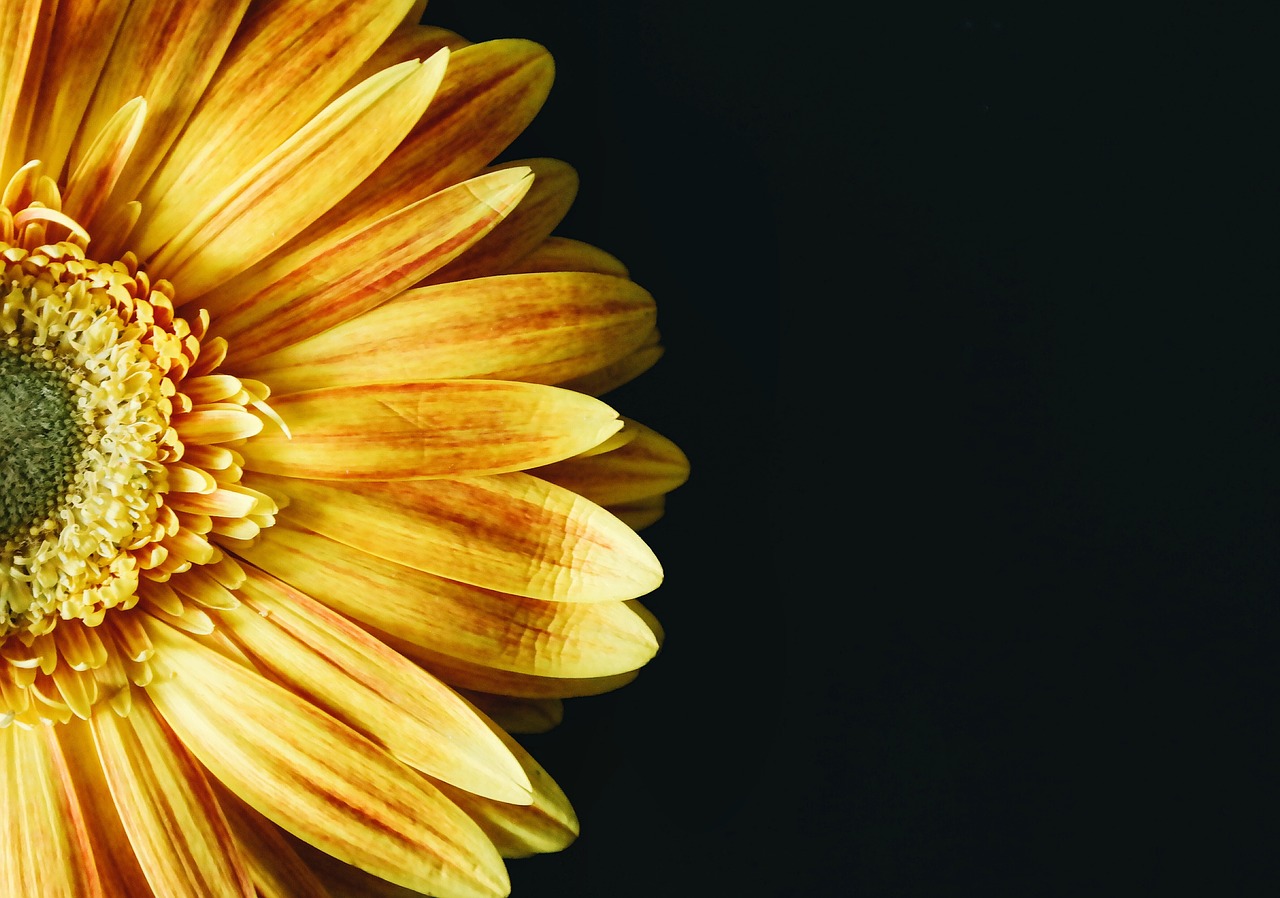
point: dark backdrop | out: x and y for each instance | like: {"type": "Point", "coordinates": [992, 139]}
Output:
{"type": "Point", "coordinates": [970, 328]}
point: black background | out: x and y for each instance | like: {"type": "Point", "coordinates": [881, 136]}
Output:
{"type": "Point", "coordinates": [971, 341]}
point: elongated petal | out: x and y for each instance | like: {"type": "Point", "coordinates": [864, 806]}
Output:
{"type": "Point", "coordinates": [317, 778]}
{"type": "Point", "coordinates": [168, 808]}
{"type": "Point", "coordinates": [22, 27]}
{"type": "Point", "coordinates": [508, 532]}
{"type": "Point", "coordinates": [554, 188]}
{"type": "Point", "coordinates": [285, 65]}
{"type": "Point", "coordinates": [317, 284]}
{"type": "Point", "coordinates": [170, 55]}
{"type": "Point", "coordinates": [276, 869]}
{"type": "Point", "coordinates": [406, 431]}
{"type": "Point", "coordinates": [566, 254]}
{"type": "Point", "coordinates": [490, 93]}
{"type": "Point", "coordinates": [552, 639]}
{"type": "Point", "coordinates": [275, 199]}
{"type": "Point", "coordinates": [648, 465]}
{"type": "Point", "coordinates": [116, 862]}
{"type": "Point", "coordinates": [544, 328]}
{"type": "Point", "coordinates": [86, 31]}
{"type": "Point", "coordinates": [376, 691]}
{"type": "Point", "coordinates": [47, 850]}
{"type": "Point", "coordinates": [548, 823]}
{"type": "Point", "coordinates": [97, 170]}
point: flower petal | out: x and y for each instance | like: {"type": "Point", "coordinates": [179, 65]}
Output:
{"type": "Point", "coordinates": [317, 778]}
{"type": "Point", "coordinates": [508, 532]}
{"type": "Point", "coordinates": [339, 667]}
{"type": "Point", "coordinates": [86, 31]}
{"type": "Point", "coordinates": [554, 187]}
{"type": "Point", "coordinates": [91, 183]}
{"type": "Point", "coordinates": [552, 639]}
{"type": "Point", "coordinates": [565, 254]}
{"type": "Point", "coordinates": [47, 849]}
{"type": "Point", "coordinates": [489, 95]}
{"type": "Point", "coordinates": [288, 60]}
{"type": "Point", "coordinates": [168, 808]}
{"type": "Point", "coordinates": [319, 283]}
{"type": "Point", "coordinates": [408, 431]}
{"type": "Point", "coordinates": [168, 56]}
{"type": "Point", "coordinates": [544, 328]}
{"type": "Point", "coordinates": [289, 188]}
{"type": "Point", "coordinates": [646, 466]}
{"type": "Point", "coordinates": [276, 869]}
{"type": "Point", "coordinates": [24, 31]}
{"type": "Point", "coordinates": [548, 823]}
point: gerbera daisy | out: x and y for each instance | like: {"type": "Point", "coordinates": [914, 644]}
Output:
{"type": "Point", "coordinates": [308, 499]}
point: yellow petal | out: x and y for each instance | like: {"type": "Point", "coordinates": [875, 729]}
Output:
{"type": "Point", "coordinates": [338, 666]}
{"type": "Point", "coordinates": [648, 465]}
{"type": "Point", "coordinates": [507, 532]}
{"type": "Point", "coordinates": [266, 205]}
{"type": "Point", "coordinates": [288, 60]}
{"type": "Point", "coordinates": [117, 865]}
{"type": "Point", "coordinates": [24, 37]}
{"type": "Point", "coordinates": [490, 93]}
{"type": "Point", "coordinates": [99, 167]}
{"type": "Point", "coordinates": [47, 848]}
{"type": "Point", "coordinates": [543, 328]}
{"type": "Point", "coordinates": [86, 31]}
{"type": "Point", "coordinates": [481, 678]}
{"type": "Point", "coordinates": [554, 187]}
{"type": "Point", "coordinates": [317, 778]}
{"type": "Point", "coordinates": [565, 254]}
{"type": "Point", "coordinates": [548, 823]}
{"type": "Point", "coordinates": [610, 377]}
{"type": "Point", "coordinates": [168, 808]}
{"type": "Point", "coordinates": [164, 52]}
{"type": "Point", "coordinates": [490, 629]}
{"type": "Point", "coordinates": [315, 284]}
{"type": "Point", "coordinates": [276, 869]}
{"type": "Point", "coordinates": [405, 431]}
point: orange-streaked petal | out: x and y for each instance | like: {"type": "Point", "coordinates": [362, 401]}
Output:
{"type": "Point", "coordinates": [24, 37]}
{"type": "Point", "coordinates": [545, 328]}
{"type": "Point", "coordinates": [508, 532]}
{"type": "Point", "coordinates": [168, 57]}
{"type": "Point", "coordinates": [116, 862]}
{"type": "Point", "coordinates": [168, 808]}
{"type": "Point", "coordinates": [548, 823]}
{"type": "Point", "coordinates": [648, 465]}
{"type": "Point", "coordinates": [481, 678]}
{"type": "Point", "coordinates": [318, 778]}
{"type": "Point", "coordinates": [98, 168]}
{"type": "Point", "coordinates": [490, 629]}
{"type": "Point", "coordinates": [376, 691]}
{"type": "Point", "coordinates": [440, 428]}
{"type": "Point", "coordinates": [288, 59]}
{"type": "Point", "coordinates": [289, 188]}
{"type": "Point", "coordinates": [47, 849]}
{"type": "Point", "coordinates": [566, 254]}
{"type": "Point", "coordinates": [86, 31]}
{"type": "Point", "coordinates": [316, 284]}
{"type": "Point", "coordinates": [276, 869]}
{"type": "Point", "coordinates": [489, 95]}
{"type": "Point", "coordinates": [554, 187]}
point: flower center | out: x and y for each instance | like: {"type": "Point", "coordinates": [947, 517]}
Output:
{"type": "Point", "coordinates": [119, 472]}
{"type": "Point", "coordinates": [40, 440]}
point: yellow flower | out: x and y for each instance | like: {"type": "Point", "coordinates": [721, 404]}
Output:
{"type": "Point", "coordinates": [307, 497]}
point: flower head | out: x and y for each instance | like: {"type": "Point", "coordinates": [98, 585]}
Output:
{"type": "Point", "coordinates": [308, 500]}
